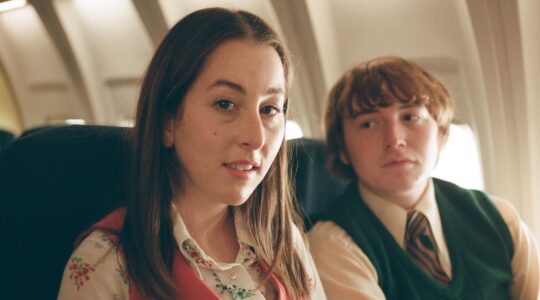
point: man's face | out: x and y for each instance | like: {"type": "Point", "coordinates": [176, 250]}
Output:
{"type": "Point", "coordinates": [392, 150]}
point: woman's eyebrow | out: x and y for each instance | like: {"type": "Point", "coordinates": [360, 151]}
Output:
{"type": "Point", "coordinates": [275, 91]}
{"type": "Point", "coordinates": [229, 84]}
{"type": "Point", "coordinates": [238, 87]}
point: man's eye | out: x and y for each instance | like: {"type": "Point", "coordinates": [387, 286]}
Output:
{"type": "Point", "coordinates": [410, 117]}
{"type": "Point", "coordinates": [270, 110]}
{"type": "Point", "coordinates": [224, 104]}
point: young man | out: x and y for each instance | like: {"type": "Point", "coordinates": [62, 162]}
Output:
{"type": "Point", "coordinates": [396, 232]}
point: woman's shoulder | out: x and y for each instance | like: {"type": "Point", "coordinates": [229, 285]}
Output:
{"type": "Point", "coordinates": [298, 235]}
{"type": "Point", "coordinates": [95, 270]}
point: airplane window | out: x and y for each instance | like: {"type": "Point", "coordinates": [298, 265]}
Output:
{"type": "Point", "coordinates": [9, 5]}
{"type": "Point", "coordinates": [68, 121]}
{"type": "Point", "coordinates": [459, 161]}
{"type": "Point", "coordinates": [293, 130]}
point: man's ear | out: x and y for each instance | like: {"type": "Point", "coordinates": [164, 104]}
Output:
{"type": "Point", "coordinates": [443, 138]}
{"type": "Point", "coordinates": [168, 132]}
{"type": "Point", "coordinates": [344, 157]}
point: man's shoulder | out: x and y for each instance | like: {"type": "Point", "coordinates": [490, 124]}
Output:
{"type": "Point", "coordinates": [446, 190]}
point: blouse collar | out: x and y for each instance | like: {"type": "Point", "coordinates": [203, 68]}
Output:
{"type": "Point", "coordinates": [194, 253]}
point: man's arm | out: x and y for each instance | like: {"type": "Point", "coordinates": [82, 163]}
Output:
{"type": "Point", "coordinates": [525, 262]}
{"type": "Point", "coordinates": [346, 272]}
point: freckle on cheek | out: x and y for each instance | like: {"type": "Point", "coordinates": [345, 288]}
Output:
{"type": "Point", "coordinates": [215, 133]}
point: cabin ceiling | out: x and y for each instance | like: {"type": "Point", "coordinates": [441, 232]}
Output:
{"type": "Point", "coordinates": [83, 58]}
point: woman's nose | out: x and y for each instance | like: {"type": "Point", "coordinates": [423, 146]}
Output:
{"type": "Point", "coordinates": [252, 131]}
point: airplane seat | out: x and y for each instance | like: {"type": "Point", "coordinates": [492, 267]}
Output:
{"type": "Point", "coordinates": [315, 186]}
{"type": "Point", "coordinates": [35, 129]}
{"type": "Point", "coordinates": [6, 137]}
{"type": "Point", "coordinates": [54, 183]}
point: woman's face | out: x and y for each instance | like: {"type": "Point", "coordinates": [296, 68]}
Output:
{"type": "Point", "coordinates": [231, 124]}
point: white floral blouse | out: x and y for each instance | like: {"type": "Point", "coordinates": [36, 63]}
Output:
{"type": "Point", "coordinates": [96, 269]}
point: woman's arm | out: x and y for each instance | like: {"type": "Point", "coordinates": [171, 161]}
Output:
{"type": "Point", "coordinates": [95, 270]}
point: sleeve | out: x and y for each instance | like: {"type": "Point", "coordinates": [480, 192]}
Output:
{"type": "Point", "coordinates": [95, 270]}
{"type": "Point", "coordinates": [301, 246]}
{"type": "Point", "coordinates": [525, 262]}
{"type": "Point", "coordinates": [345, 270]}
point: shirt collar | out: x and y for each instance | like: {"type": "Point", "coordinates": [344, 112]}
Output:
{"type": "Point", "coordinates": [189, 246]}
{"type": "Point", "coordinates": [394, 217]}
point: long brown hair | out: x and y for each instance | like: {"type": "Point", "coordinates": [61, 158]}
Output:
{"type": "Point", "coordinates": [377, 83]}
{"type": "Point", "coordinates": [147, 236]}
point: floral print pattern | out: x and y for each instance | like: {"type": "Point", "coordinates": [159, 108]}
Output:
{"type": "Point", "coordinates": [247, 257]}
{"type": "Point", "coordinates": [119, 266]}
{"type": "Point", "coordinates": [232, 289]}
{"type": "Point", "coordinates": [122, 274]}
{"type": "Point", "coordinates": [196, 254]}
{"type": "Point", "coordinates": [80, 271]}
{"type": "Point", "coordinates": [248, 252]}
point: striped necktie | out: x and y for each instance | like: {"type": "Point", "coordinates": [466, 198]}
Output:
{"type": "Point", "coordinates": [421, 246]}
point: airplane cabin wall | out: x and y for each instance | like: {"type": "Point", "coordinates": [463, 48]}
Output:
{"type": "Point", "coordinates": [9, 111]}
{"type": "Point", "coordinates": [529, 12]}
{"type": "Point", "coordinates": [506, 144]}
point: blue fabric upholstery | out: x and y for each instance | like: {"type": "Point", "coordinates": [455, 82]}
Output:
{"type": "Point", "coordinates": [6, 138]}
{"type": "Point", "coordinates": [56, 182]}
{"type": "Point", "coordinates": [53, 184]}
{"type": "Point", "coordinates": [314, 184]}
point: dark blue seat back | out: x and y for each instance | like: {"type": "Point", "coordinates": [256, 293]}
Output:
{"type": "Point", "coordinates": [6, 137]}
{"type": "Point", "coordinates": [314, 184]}
{"type": "Point", "coordinates": [54, 183]}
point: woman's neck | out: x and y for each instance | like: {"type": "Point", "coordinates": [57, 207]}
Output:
{"type": "Point", "coordinates": [212, 226]}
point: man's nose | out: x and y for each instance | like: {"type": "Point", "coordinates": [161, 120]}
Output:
{"type": "Point", "coordinates": [395, 135]}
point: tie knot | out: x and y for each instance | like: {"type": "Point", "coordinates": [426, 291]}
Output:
{"type": "Point", "coordinates": [417, 224]}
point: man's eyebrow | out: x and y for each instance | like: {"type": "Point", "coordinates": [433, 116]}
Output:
{"type": "Point", "coordinates": [238, 87]}
{"type": "Point", "coordinates": [358, 113]}
{"type": "Point", "coordinates": [408, 105]}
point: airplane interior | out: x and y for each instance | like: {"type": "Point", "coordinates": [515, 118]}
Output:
{"type": "Point", "coordinates": [70, 73]}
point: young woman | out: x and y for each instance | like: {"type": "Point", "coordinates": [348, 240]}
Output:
{"type": "Point", "coordinates": [209, 213]}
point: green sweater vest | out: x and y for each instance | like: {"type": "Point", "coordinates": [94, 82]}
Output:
{"type": "Point", "coordinates": [479, 243]}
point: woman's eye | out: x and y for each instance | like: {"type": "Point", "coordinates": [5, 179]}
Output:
{"type": "Point", "coordinates": [367, 124]}
{"type": "Point", "coordinates": [224, 104]}
{"type": "Point", "coordinates": [270, 110]}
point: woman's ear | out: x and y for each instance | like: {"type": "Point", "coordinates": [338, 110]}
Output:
{"type": "Point", "coordinates": [168, 132]}
{"type": "Point", "coordinates": [344, 157]}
